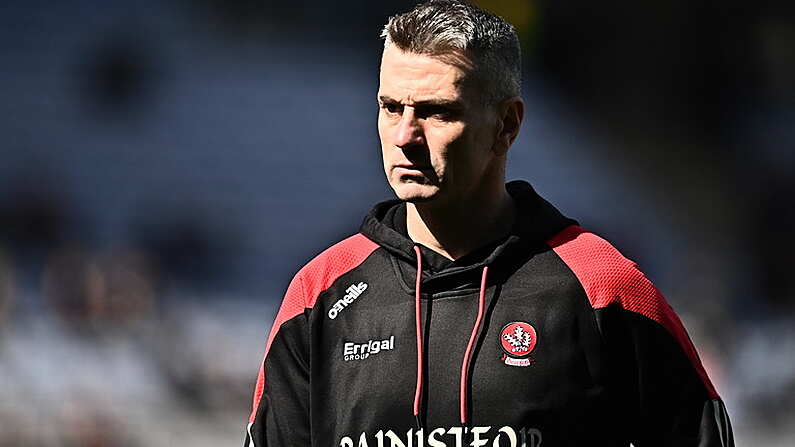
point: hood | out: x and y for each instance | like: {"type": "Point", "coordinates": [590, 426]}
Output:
{"type": "Point", "coordinates": [536, 221]}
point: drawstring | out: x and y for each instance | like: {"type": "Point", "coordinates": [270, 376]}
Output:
{"type": "Point", "coordinates": [418, 318]}
{"type": "Point", "coordinates": [467, 354]}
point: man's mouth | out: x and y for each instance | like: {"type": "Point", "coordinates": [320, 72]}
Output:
{"type": "Point", "coordinates": [409, 170]}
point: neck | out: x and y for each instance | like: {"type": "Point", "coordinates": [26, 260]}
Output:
{"type": "Point", "coordinates": [458, 227]}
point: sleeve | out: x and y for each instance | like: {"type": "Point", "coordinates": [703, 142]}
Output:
{"type": "Point", "coordinates": [280, 410]}
{"type": "Point", "coordinates": [661, 393]}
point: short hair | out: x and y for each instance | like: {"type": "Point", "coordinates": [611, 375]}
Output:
{"type": "Point", "coordinates": [451, 28]}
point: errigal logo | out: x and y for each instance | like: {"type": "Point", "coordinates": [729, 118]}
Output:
{"type": "Point", "coordinates": [518, 339]}
{"type": "Point", "coordinates": [361, 351]}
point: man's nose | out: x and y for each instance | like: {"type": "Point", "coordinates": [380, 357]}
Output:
{"type": "Point", "coordinates": [409, 131]}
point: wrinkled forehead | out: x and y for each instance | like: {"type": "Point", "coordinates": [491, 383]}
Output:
{"type": "Point", "coordinates": [408, 73]}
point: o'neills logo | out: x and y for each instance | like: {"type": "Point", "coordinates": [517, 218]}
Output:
{"type": "Point", "coordinates": [361, 351]}
{"type": "Point", "coordinates": [518, 339]}
{"type": "Point", "coordinates": [351, 293]}
{"type": "Point", "coordinates": [453, 436]}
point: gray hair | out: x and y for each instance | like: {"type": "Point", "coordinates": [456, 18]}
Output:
{"type": "Point", "coordinates": [450, 29]}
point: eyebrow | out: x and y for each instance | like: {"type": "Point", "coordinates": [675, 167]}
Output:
{"type": "Point", "coordinates": [448, 103]}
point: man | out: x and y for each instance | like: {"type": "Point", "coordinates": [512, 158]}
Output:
{"type": "Point", "coordinates": [468, 311]}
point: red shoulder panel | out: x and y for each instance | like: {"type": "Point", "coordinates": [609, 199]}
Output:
{"type": "Point", "coordinates": [315, 277]}
{"type": "Point", "coordinates": [610, 278]}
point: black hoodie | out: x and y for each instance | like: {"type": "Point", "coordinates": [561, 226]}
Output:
{"type": "Point", "coordinates": [547, 335]}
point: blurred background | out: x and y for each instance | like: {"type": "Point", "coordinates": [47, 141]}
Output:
{"type": "Point", "coordinates": [166, 166]}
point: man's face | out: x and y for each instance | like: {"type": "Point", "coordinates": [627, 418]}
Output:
{"type": "Point", "coordinates": [436, 138]}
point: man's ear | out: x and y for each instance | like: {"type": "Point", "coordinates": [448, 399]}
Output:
{"type": "Point", "coordinates": [510, 114]}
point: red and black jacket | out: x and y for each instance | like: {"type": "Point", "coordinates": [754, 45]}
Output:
{"type": "Point", "coordinates": [548, 335]}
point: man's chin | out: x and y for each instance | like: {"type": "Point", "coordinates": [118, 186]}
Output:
{"type": "Point", "coordinates": [416, 193]}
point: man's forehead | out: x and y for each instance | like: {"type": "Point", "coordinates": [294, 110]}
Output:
{"type": "Point", "coordinates": [423, 76]}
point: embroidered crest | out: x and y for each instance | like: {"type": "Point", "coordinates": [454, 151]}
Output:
{"type": "Point", "coordinates": [518, 339]}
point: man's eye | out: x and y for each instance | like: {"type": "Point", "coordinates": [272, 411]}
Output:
{"type": "Point", "coordinates": [391, 108]}
{"type": "Point", "coordinates": [440, 113]}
